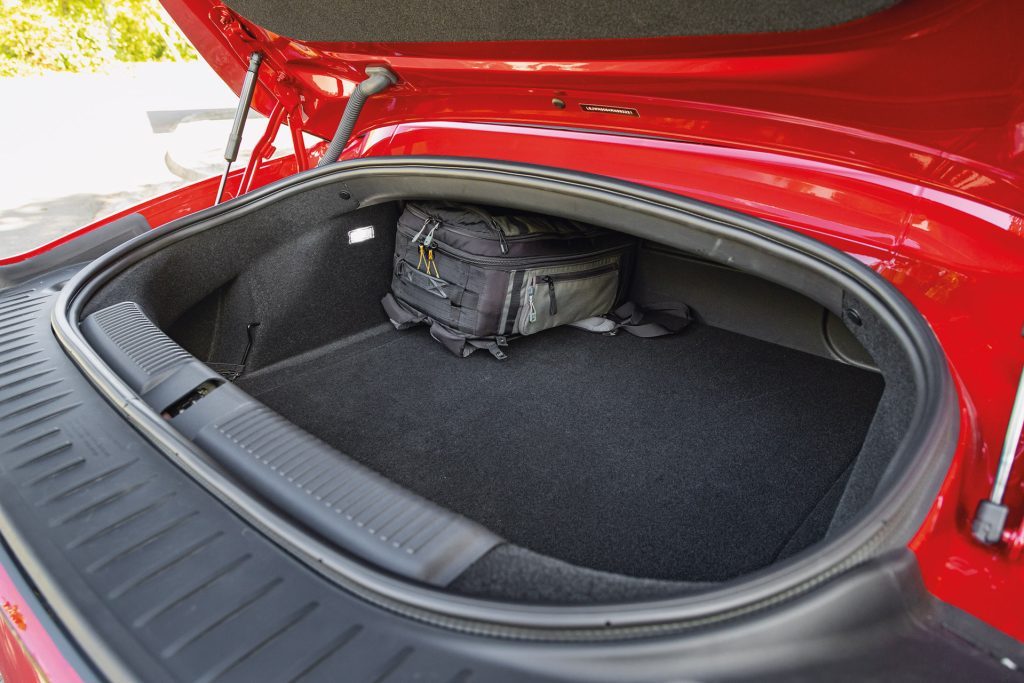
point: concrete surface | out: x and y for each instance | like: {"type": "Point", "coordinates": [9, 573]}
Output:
{"type": "Point", "coordinates": [77, 147]}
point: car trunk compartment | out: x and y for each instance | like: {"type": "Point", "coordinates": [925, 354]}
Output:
{"type": "Point", "coordinates": [684, 461]}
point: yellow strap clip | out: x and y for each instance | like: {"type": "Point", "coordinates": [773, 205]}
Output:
{"type": "Point", "coordinates": [431, 262]}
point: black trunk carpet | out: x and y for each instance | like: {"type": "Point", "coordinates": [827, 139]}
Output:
{"type": "Point", "coordinates": [693, 458]}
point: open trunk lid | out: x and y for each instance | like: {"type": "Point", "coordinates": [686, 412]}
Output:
{"type": "Point", "coordinates": [922, 90]}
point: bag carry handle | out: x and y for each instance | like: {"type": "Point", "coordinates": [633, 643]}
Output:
{"type": "Point", "coordinates": [652, 320]}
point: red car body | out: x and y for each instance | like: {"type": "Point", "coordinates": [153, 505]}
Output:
{"type": "Point", "coordinates": [897, 138]}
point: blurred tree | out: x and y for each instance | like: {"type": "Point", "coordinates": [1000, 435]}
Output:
{"type": "Point", "coordinates": [84, 35]}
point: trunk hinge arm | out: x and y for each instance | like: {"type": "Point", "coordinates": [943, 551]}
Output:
{"type": "Point", "coordinates": [298, 143]}
{"type": "Point", "coordinates": [264, 147]}
{"type": "Point", "coordinates": [287, 105]}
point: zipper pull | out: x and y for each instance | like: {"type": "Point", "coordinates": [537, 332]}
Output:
{"type": "Point", "coordinates": [416, 237]}
{"type": "Point", "coordinates": [532, 316]}
{"type": "Point", "coordinates": [489, 221]}
{"type": "Point", "coordinates": [419, 264]}
{"type": "Point", "coordinates": [553, 309]}
{"type": "Point", "coordinates": [502, 242]}
{"type": "Point", "coordinates": [429, 239]}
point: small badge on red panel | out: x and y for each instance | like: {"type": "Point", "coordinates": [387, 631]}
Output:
{"type": "Point", "coordinates": [609, 109]}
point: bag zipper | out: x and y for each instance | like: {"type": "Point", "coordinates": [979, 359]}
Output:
{"type": "Point", "coordinates": [502, 239]}
{"type": "Point", "coordinates": [557, 276]}
{"type": "Point", "coordinates": [506, 263]}
{"type": "Point", "coordinates": [501, 235]}
{"type": "Point", "coordinates": [552, 303]}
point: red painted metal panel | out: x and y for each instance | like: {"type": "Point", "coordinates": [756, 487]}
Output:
{"type": "Point", "coordinates": [930, 90]}
{"type": "Point", "coordinates": [898, 139]}
{"type": "Point", "coordinates": [27, 653]}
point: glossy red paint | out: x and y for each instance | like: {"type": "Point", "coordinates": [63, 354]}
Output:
{"type": "Point", "coordinates": [929, 90]}
{"type": "Point", "coordinates": [27, 653]}
{"type": "Point", "coordinates": [897, 138]}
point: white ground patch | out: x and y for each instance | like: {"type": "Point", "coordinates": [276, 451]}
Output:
{"type": "Point", "coordinates": [77, 147]}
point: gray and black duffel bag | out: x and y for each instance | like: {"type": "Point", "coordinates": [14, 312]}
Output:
{"type": "Point", "coordinates": [480, 277]}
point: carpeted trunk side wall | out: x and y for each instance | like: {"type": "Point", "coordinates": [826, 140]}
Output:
{"type": "Point", "coordinates": [290, 268]}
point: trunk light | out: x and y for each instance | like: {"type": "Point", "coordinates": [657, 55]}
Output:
{"type": "Point", "coordinates": [357, 235]}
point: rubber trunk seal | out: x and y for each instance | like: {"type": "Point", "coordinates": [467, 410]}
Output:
{"type": "Point", "coordinates": [889, 522]}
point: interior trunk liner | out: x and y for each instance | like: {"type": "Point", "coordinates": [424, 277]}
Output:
{"type": "Point", "coordinates": [697, 457]}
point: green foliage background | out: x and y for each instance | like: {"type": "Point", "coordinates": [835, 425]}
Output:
{"type": "Point", "coordinates": [84, 35]}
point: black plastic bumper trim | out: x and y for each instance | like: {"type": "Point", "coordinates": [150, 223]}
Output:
{"type": "Point", "coordinates": [344, 502]}
{"type": "Point", "coordinates": [81, 249]}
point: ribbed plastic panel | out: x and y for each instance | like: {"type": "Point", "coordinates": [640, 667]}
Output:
{"type": "Point", "coordinates": [360, 497]}
{"type": "Point", "coordinates": [360, 511]}
{"type": "Point", "coordinates": [344, 501]}
{"type": "Point", "coordinates": [155, 578]}
{"type": "Point", "coordinates": [149, 348]}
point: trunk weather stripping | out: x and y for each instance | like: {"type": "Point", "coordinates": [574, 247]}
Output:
{"type": "Point", "coordinates": [925, 454]}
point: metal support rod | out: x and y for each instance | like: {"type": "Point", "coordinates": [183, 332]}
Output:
{"type": "Point", "coordinates": [238, 125]}
{"type": "Point", "coordinates": [1009, 452]}
{"type": "Point", "coordinates": [989, 521]}
{"type": "Point", "coordinates": [223, 182]}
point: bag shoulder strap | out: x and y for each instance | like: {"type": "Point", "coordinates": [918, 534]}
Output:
{"type": "Point", "coordinates": [653, 319]}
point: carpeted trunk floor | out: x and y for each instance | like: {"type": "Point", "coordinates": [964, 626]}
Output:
{"type": "Point", "coordinates": [695, 457]}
